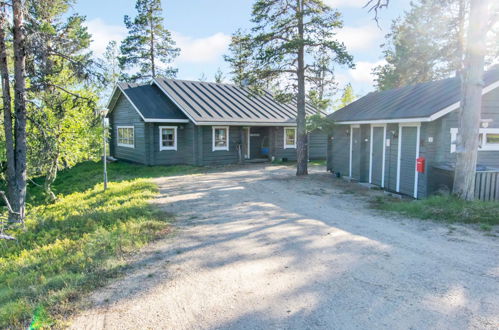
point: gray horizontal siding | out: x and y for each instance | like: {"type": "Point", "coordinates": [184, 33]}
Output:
{"type": "Point", "coordinates": [317, 145]}
{"type": "Point", "coordinates": [391, 157]}
{"type": "Point", "coordinates": [124, 114]}
{"type": "Point", "coordinates": [219, 157]}
{"type": "Point", "coordinates": [185, 145]}
{"type": "Point", "coordinates": [339, 155]}
{"type": "Point", "coordinates": [278, 151]}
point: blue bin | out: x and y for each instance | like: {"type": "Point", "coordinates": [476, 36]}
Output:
{"type": "Point", "coordinates": [265, 151]}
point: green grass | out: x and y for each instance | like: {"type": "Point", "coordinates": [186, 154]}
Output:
{"type": "Point", "coordinates": [78, 243]}
{"type": "Point", "coordinates": [444, 208]}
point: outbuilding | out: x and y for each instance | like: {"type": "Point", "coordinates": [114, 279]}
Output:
{"type": "Point", "coordinates": [170, 121]}
{"type": "Point", "coordinates": [404, 140]}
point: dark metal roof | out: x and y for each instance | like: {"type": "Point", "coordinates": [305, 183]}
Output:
{"type": "Point", "coordinates": [151, 102]}
{"type": "Point", "coordinates": [415, 101]}
{"type": "Point", "coordinates": [205, 102]}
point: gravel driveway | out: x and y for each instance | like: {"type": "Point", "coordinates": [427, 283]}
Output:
{"type": "Point", "coordinates": [257, 248]}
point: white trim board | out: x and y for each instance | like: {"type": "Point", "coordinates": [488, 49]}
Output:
{"type": "Point", "coordinates": [161, 147]}
{"type": "Point", "coordinates": [383, 159]}
{"type": "Point", "coordinates": [399, 154]}
{"type": "Point", "coordinates": [416, 177]}
{"type": "Point", "coordinates": [154, 120]}
{"type": "Point", "coordinates": [146, 120]}
{"type": "Point", "coordinates": [124, 145]}
{"type": "Point", "coordinates": [288, 146]}
{"type": "Point", "coordinates": [433, 117]}
{"type": "Point", "coordinates": [214, 148]}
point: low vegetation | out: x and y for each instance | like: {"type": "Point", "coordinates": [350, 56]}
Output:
{"type": "Point", "coordinates": [444, 208]}
{"type": "Point", "coordinates": [77, 243]}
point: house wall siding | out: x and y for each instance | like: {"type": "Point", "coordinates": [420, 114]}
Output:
{"type": "Point", "coordinates": [391, 157]}
{"type": "Point", "coordinates": [317, 142]}
{"type": "Point", "coordinates": [124, 114]}
{"type": "Point", "coordinates": [277, 149]}
{"type": "Point", "coordinates": [338, 158]}
{"type": "Point", "coordinates": [185, 145]}
{"type": "Point", "coordinates": [220, 157]}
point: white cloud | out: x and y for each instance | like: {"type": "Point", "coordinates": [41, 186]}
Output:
{"type": "Point", "coordinates": [363, 72]}
{"type": "Point", "coordinates": [102, 33]}
{"type": "Point", "coordinates": [201, 50]}
{"type": "Point", "coordinates": [345, 3]}
{"type": "Point", "coordinates": [361, 37]}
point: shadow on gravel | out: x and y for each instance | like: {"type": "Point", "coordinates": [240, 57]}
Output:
{"type": "Point", "coordinates": [320, 260]}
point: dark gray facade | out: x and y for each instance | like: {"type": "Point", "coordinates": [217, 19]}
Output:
{"type": "Point", "coordinates": [352, 153]}
{"type": "Point", "coordinates": [194, 143]}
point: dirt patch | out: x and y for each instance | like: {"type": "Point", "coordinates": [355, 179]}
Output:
{"type": "Point", "coordinates": [258, 248]}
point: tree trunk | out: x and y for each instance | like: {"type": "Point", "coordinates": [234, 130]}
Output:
{"type": "Point", "coordinates": [151, 42]}
{"type": "Point", "coordinates": [7, 107]}
{"type": "Point", "coordinates": [471, 102]}
{"type": "Point", "coordinates": [301, 134]}
{"type": "Point", "coordinates": [19, 199]}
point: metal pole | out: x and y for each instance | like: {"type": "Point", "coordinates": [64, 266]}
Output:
{"type": "Point", "coordinates": [104, 145]}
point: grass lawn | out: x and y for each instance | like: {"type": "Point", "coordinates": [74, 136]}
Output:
{"type": "Point", "coordinates": [444, 208]}
{"type": "Point", "coordinates": [78, 243]}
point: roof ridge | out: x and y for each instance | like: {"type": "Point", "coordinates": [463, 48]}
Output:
{"type": "Point", "coordinates": [197, 81]}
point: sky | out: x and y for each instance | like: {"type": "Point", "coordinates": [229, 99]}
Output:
{"type": "Point", "coordinates": [202, 29]}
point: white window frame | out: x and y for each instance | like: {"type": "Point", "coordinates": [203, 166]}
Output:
{"type": "Point", "coordinates": [483, 147]}
{"type": "Point", "coordinates": [289, 146]}
{"type": "Point", "coordinates": [161, 147]}
{"type": "Point", "coordinates": [214, 147]}
{"type": "Point", "coordinates": [126, 145]}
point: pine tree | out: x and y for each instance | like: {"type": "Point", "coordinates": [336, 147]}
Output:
{"type": "Point", "coordinates": [110, 69]}
{"type": "Point", "coordinates": [219, 76]}
{"type": "Point", "coordinates": [61, 120]}
{"type": "Point", "coordinates": [284, 32]}
{"type": "Point", "coordinates": [347, 97]}
{"type": "Point", "coordinates": [149, 48]}
{"type": "Point", "coordinates": [239, 57]}
{"type": "Point", "coordinates": [427, 44]}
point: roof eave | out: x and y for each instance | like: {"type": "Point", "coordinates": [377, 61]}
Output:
{"type": "Point", "coordinates": [435, 116]}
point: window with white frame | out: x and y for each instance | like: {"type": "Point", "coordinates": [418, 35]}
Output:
{"type": "Point", "coordinates": [167, 138]}
{"type": "Point", "coordinates": [126, 136]}
{"type": "Point", "coordinates": [289, 137]}
{"type": "Point", "coordinates": [488, 139]}
{"type": "Point", "coordinates": [220, 138]}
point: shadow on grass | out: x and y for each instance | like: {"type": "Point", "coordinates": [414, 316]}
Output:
{"type": "Point", "coordinates": [76, 244]}
{"type": "Point", "coordinates": [86, 175]}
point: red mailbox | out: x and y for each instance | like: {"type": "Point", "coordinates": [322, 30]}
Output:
{"type": "Point", "coordinates": [420, 164]}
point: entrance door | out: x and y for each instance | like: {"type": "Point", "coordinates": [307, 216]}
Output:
{"type": "Point", "coordinates": [408, 152]}
{"type": "Point", "coordinates": [256, 138]}
{"type": "Point", "coordinates": [355, 141]}
{"type": "Point", "coordinates": [377, 155]}
{"type": "Point", "coordinates": [246, 142]}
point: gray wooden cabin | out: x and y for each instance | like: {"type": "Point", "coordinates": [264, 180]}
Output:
{"type": "Point", "coordinates": [167, 122]}
{"type": "Point", "coordinates": [379, 137]}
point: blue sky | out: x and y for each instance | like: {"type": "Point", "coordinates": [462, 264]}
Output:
{"type": "Point", "coordinates": [202, 29]}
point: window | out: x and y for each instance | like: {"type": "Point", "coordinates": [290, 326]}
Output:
{"type": "Point", "coordinates": [167, 138]}
{"type": "Point", "coordinates": [220, 138]}
{"type": "Point", "coordinates": [488, 139]}
{"type": "Point", "coordinates": [126, 136]}
{"type": "Point", "coordinates": [289, 138]}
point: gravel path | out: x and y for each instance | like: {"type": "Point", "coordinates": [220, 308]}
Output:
{"type": "Point", "coordinates": [257, 248]}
